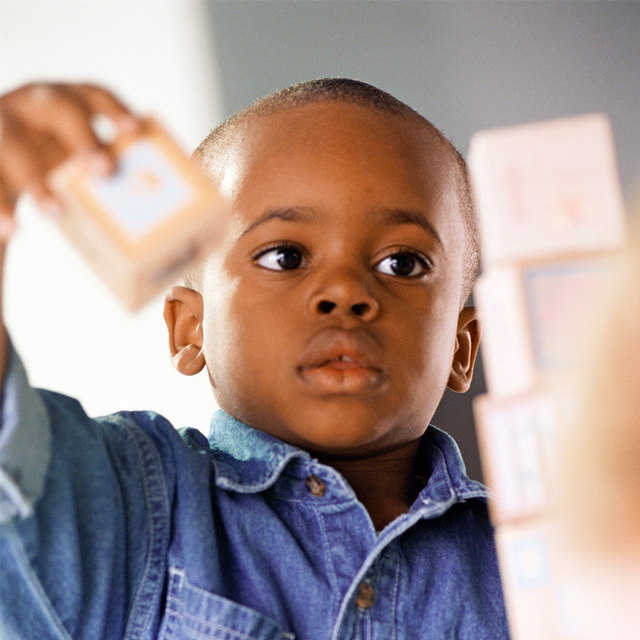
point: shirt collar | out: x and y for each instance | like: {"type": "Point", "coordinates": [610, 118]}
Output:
{"type": "Point", "coordinates": [248, 460]}
{"type": "Point", "coordinates": [447, 480]}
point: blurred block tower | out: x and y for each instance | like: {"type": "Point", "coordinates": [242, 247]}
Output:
{"type": "Point", "coordinates": [551, 220]}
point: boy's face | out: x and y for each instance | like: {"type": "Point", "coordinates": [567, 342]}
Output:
{"type": "Point", "coordinates": [330, 317]}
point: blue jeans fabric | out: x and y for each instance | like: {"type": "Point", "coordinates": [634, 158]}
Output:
{"type": "Point", "coordinates": [123, 527]}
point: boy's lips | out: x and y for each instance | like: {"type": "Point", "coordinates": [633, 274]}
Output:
{"type": "Point", "coordinates": [342, 362]}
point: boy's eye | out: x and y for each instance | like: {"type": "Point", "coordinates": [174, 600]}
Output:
{"type": "Point", "coordinates": [403, 264]}
{"type": "Point", "coordinates": [281, 259]}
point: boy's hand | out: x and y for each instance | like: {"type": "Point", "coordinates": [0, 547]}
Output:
{"type": "Point", "coordinates": [41, 125]}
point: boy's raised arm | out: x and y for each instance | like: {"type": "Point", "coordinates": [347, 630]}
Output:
{"type": "Point", "coordinates": [42, 125]}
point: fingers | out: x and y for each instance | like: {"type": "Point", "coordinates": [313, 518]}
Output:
{"type": "Point", "coordinates": [24, 168]}
{"type": "Point", "coordinates": [7, 220]}
{"type": "Point", "coordinates": [41, 125]}
{"type": "Point", "coordinates": [63, 113]}
{"type": "Point", "coordinates": [105, 103]}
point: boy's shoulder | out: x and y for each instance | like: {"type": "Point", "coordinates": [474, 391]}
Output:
{"type": "Point", "coordinates": [145, 435]}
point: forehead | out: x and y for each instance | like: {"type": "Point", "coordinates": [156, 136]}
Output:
{"type": "Point", "coordinates": [338, 153]}
{"type": "Point", "coordinates": [327, 130]}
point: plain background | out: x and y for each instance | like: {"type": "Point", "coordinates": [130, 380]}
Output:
{"type": "Point", "coordinates": [465, 65]}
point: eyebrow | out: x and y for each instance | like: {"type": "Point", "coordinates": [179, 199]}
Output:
{"type": "Point", "coordinates": [387, 216]}
{"type": "Point", "coordinates": [406, 216]}
{"type": "Point", "coordinates": [288, 215]}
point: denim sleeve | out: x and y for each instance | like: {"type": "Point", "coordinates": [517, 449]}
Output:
{"type": "Point", "coordinates": [85, 516]}
{"type": "Point", "coordinates": [25, 444]}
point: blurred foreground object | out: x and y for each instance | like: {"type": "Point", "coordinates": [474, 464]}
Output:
{"type": "Point", "coordinates": [553, 228]}
{"type": "Point", "coordinates": [598, 484]}
{"type": "Point", "coordinates": [602, 445]}
{"type": "Point", "coordinates": [148, 223]}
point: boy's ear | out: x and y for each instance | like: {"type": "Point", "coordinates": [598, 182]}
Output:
{"type": "Point", "coordinates": [467, 342]}
{"type": "Point", "coordinates": [183, 312]}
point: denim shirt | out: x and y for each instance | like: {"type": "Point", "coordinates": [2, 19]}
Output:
{"type": "Point", "coordinates": [123, 527]}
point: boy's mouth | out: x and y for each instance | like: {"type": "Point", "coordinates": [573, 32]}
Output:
{"type": "Point", "coordinates": [339, 362]}
{"type": "Point", "coordinates": [343, 362]}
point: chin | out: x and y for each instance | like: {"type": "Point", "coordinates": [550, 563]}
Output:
{"type": "Point", "coordinates": [343, 448]}
{"type": "Point", "coordinates": [345, 436]}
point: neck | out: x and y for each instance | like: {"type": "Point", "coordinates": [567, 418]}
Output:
{"type": "Point", "coordinates": [384, 483]}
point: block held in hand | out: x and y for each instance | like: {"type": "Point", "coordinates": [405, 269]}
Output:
{"type": "Point", "coordinates": [140, 228]}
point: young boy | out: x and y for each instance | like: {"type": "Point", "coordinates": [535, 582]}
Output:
{"type": "Point", "coordinates": [329, 319]}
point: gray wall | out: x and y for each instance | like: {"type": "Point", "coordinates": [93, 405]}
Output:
{"type": "Point", "coordinates": [464, 65]}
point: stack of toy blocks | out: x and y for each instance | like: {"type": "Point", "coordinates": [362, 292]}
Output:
{"type": "Point", "coordinates": [551, 216]}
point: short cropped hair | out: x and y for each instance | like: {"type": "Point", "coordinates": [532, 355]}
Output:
{"type": "Point", "coordinates": [366, 95]}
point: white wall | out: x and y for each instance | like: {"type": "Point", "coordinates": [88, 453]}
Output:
{"type": "Point", "coordinates": [157, 55]}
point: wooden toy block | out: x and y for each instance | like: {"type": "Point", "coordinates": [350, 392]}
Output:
{"type": "Point", "coordinates": [516, 438]}
{"type": "Point", "coordinates": [547, 188]}
{"type": "Point", "coordinates": [142, 227]}
{"type": "Point", "coordinates": [541, 601]}
{"type": "Point", "coordinates": [534, 319]}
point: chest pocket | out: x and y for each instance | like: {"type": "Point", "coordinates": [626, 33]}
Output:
{"type": "Point", "coordinates": [195, 614]}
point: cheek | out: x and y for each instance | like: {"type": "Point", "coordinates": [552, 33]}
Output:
{"type": "Point", "coordinates": [249, 335]}
{"type": "Point", "coordinates": [220, 326]}
{"type": "Point", "coordinates": [253, 358]}
{"type": "Point", "coordinates": [428, 341]}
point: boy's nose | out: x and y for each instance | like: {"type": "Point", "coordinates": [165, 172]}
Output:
{"type": "Point", "coordinates": [346, 296]}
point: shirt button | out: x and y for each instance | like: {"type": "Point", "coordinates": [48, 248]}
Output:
{"type": "Point", "coordinates": [365, 596]}
{"type": "Point", "coordinates": [315, 486]}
